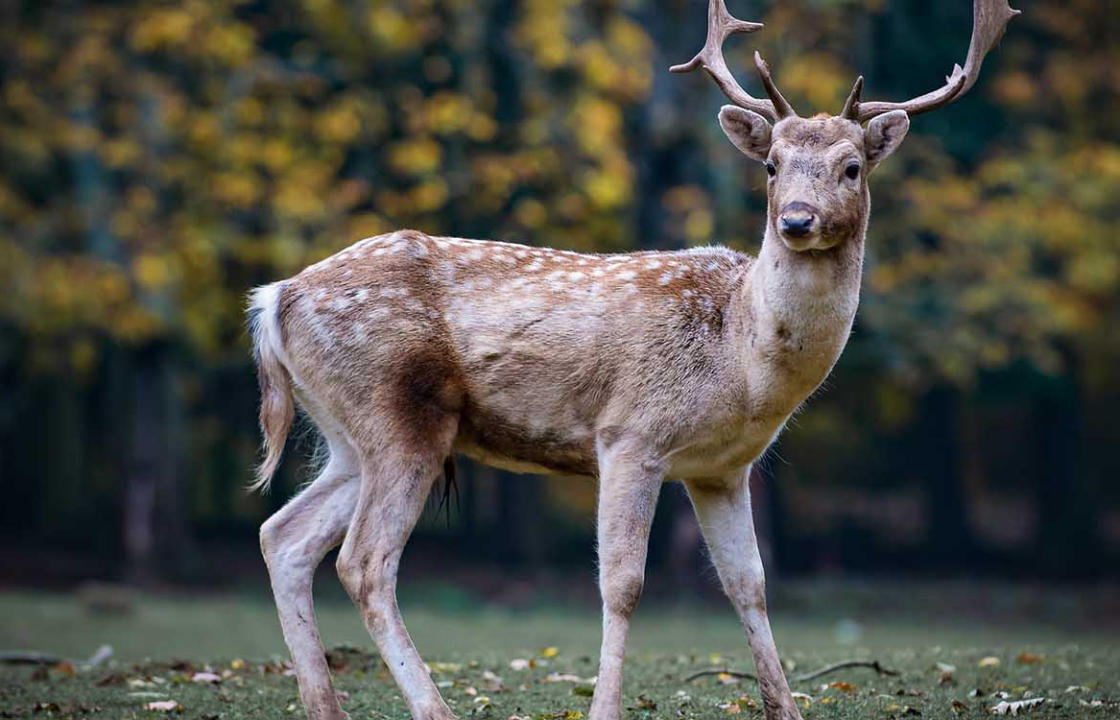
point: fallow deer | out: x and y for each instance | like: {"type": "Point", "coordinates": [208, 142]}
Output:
{"type": "Point", "coordinates": [406, 349]}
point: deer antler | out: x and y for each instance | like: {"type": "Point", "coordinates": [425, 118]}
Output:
{"type": "Point", "coordinates": [989, 20]}
{"type": "Point", "coordinates": [722, 25]}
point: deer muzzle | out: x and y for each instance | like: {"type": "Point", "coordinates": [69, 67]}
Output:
{"type": "Point", "coordinates": [798, 223]}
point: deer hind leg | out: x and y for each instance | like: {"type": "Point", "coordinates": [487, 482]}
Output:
{"type": "Point", "coordinates": [395, 484]}
{"type": "Point", "coordinates": [293, 542]}
{"type": "Point", "coordinates": [724, 511]}
{"type": "Point", "coordinates": [628, 489]}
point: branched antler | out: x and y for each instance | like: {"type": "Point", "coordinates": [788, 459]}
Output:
{"type": "Point", "coordinates": [989, 21]}
{"type": "Point", "coordinates": [722, 25]}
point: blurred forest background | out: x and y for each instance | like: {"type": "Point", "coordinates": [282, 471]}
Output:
{"type": "Point", "coordinates": [159, 159]}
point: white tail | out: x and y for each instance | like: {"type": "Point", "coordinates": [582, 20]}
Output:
{"type": "Point", "coordinates": [277, 404]}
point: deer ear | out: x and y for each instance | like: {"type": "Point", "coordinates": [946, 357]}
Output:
{"type": "Point", "coordinates": [884, 134]}
{"type": "Point", "coordinates": [746, 130]}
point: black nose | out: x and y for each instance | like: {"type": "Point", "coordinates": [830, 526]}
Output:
{"type": "Point", "coordinates": [797, 224]}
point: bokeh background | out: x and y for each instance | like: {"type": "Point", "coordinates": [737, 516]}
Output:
{"type": "Point", "coordinates": [160, 159]}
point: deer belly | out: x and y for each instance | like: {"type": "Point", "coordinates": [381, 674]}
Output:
{"type": "Point", "coordinates": [509, 440]}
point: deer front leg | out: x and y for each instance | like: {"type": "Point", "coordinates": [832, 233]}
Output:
{"type": "Point", "coordinates": [724, 511]}
{"type": "Point", "coordinates": [628, 486]}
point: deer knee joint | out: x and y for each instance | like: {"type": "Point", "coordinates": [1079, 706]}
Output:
{"type": "Point", "coordinates": [622, 591]}
{"type": "Point", "coordinates": [271, 539]}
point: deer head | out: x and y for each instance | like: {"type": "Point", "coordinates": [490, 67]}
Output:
{"type": "Point", "coordinates": [818, 167]}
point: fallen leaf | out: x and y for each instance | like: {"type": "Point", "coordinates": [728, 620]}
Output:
{"type": "Point", "coordinates": [727, 679]}
{"type": "Point", "coordinates": [805, 699]}
{"type": "Point", "coordinates": [442, 667]}
{"type": "Point", "coordinates": [164, 706]}
{"type": "Point", "coordinates": [1013, 708]}
{"type": "Point", "coordinates": [562, 677]}
{"type": "Point", "coordinates": [1026, 658]}
{"type": "Point", "coordinates": [645, 703]}
{"type": "Point", "coordinates": [206, 677]}
{"type": "Point", "coordinates": [492, 682]}
{"type": "Point", "coordinates": [990, 661]}
{"type": "Point", "coordinates": [550, 652]}
{"type": "Point", "coordinates": [64, 668]}
{"type": "Point", "coordinates": [842, 686]}
{"type": "Point", "coordinates": [520, 664]}
{"type": "Point", "coordinates": [237, 665]}
{"type": "Point", "coordinates": [731, 708]}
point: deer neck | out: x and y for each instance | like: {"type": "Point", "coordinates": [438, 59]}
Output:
{"type": "Point", "coordinates": [799, 308]}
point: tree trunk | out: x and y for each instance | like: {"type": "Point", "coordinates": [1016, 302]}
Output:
{"type": "Point", "coordinates": [155, 530]}
{"type": "Point", "coordinates": [950, 540]}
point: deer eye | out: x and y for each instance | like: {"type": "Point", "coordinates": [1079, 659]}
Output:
{"type": "Point", "coordinates": [852, 171]}
{"type": "Point", "coordinates": [771, 169]}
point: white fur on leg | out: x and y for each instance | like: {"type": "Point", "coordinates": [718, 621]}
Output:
{"type": "Point", "coordinates": [628, 487]}
{"type": "Point", "coordinates": [392, 498]}
{"type": "Point", "coordinates": [724, 512]}
{"type": "Point", "coordinates": [293, 542]}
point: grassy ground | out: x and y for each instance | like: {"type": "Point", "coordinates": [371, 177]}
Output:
{"type": "Point", "coordinates": [945, 659]}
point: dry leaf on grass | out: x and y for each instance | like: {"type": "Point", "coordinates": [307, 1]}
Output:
{"type": "Point", "coordinates": [164, 706]}
{"type": "Point", "coordinates": [1014, 708]}
{"type": "Point", "coordinates": [206, 677]}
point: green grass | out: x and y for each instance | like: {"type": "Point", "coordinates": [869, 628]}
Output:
{"type": "Point", "coordinates": [165, 639]}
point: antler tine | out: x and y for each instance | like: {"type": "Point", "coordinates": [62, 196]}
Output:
{"type": "Point", "coordinates": [851, 105]}
{"type": "Point", "coordinates": [781, 106]}
{"type": "Point", "coordinates": [721, 25]}
{"type": "Point", "coordinates": [989, 21]}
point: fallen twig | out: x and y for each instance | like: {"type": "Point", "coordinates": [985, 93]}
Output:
{"type": "Point", "coordinates": [871, 664]}
{"type": "Point", "coordinates": [732, 673]}
{"type": "Point", "coordinates": [29, 658]}
{"type": "Point", "coordinates": [20, 657]}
